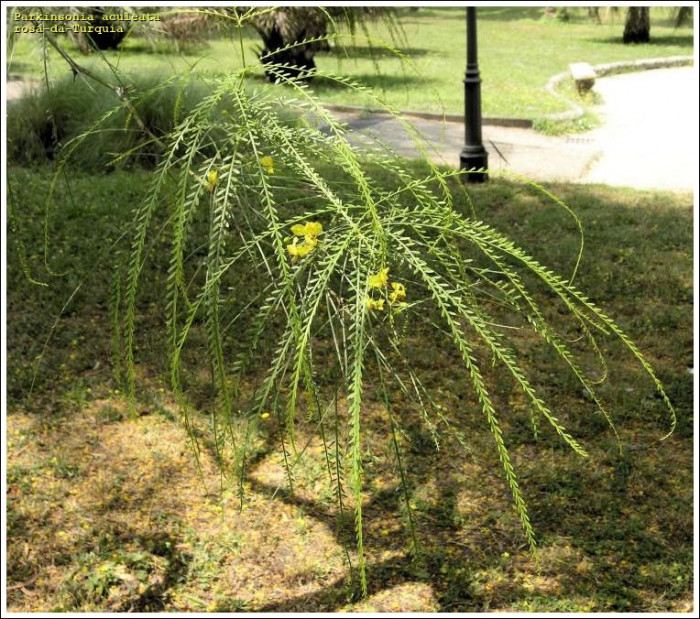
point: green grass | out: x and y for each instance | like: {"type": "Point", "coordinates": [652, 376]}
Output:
{"type": "Point", "coordinates": [107, 511]}
{"type": "Point", "coordinates": [518, 52]}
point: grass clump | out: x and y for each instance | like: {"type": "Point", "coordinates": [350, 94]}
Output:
{"type": "Point", "coordinates": [97, 127]}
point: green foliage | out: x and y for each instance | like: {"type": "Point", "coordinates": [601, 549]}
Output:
{"type": "Point", "coordinates": [296, 270]}
{"type": "Point", "coordinates": [458, 273]}
{"type": "Point", "coordinates": [594, 556]}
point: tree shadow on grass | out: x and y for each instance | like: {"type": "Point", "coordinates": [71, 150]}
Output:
{"type": "Point", "coordinates": [91, 522]}
{"type": "Point", "coordinates": [400, 81]}
{"type": "Point", "coordinates": [510, 13]}
{"type": "Point", "coordinates": [165, 47]}
{"type": "Point", "coordinates": [614, 531]}
{"type": "Point", "coordinates": [372, 52]}
{"type": "Point", "coordinates": [446, 561]}
{"type": "Point", "coordinates": [677, 40]}
{"type": "Point", "coordinates": [17, 68]}
{"type": "Point", "coordinates": [585, 565]}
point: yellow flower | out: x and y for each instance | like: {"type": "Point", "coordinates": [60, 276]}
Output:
{"type": "Point", "coordinates": [264, 415]}
{"type": "Point", "coordinates": [372, 304]}
{"type": "Point", "coordinates": [399, 293]}
{"type": "Point", "coordinates": [311, 229]}
{"type": "Point", "coordinates": [299, 251]}
{"type": "Point", "coordinates": [380, 279]}
{"type": "Point", "coordinates": [268, 163]}
{"type": "Point", "coordinates": [212, 180]}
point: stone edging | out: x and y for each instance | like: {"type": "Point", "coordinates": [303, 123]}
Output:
{"type": "Point", "coordinates": [609, 68]}
{"type": "Point", "coordinates": [502, 122]}
{"type": "Point", "coordinates": [575, 111]}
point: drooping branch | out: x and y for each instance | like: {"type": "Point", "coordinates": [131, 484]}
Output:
{"type": "Point", "coordinates": [120, 90]}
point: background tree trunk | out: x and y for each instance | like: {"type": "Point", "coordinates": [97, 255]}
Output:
{"type": "Point", "coordinates": [636, 25]}
{"type": "Point", "coordinates": [683, 16]}
{"type": "Point", "coordinates": [291, 37]}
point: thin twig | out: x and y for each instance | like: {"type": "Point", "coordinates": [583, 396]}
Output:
{"type": "Point", "coordinates": [120, 91]}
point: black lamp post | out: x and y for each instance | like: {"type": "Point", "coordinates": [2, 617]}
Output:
{"type": "Point", "coordinates": [473, 155]}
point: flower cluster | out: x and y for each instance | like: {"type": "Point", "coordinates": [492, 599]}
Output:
{"type": "Point", "coordinates": [398, 292]}
{"type": "Point", "coordinates": [309, 231]}
{"type": "Point", "coordinates": [379, 281]}
{"type": "Point", "coordinates": [374, 304]}
{"type": "Point", "coordinates": [212, 177]}
{"type": "Point", "coordinates": [212, 180]}
{"type": "Point", "coordinates": [268, 163]}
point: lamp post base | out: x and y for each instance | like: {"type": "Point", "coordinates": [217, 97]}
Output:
{"type": "Point", "coordinates": [474, 159]}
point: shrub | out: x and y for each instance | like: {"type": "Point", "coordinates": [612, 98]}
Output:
{"type": "Point", "coordinates": [317, 273]}
{"type": "Point", "coordinates": [92, 127]}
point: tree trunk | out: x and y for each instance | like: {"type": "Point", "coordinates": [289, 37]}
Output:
{"type": "Point", "coordinates": [105, 39]}
{"type": "Point", "coordinates": [683, 16]}
{"type": "Point", "coordinates": [292, 37]}
{"type": "Point", "coordinates": [636, 25]}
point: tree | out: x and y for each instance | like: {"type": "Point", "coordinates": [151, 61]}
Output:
{"type": "Point", "coordinates": [292, 36]}
{"type": "Point", "coordinates": [683, 15]}
{"type": "Point", "coordinates": [108, 33]}
{"type": "Point", "coordinates": [636, 25]}
{"type": "Point", "coordinates": [323, 293]}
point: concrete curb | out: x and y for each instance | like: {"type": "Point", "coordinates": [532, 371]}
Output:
{"type": "Point", "coordinates": [575, 111]}
{"type": "Point", "coordinates": [609, 68]}
{"type": "Point", "coordinates": [523, 123]}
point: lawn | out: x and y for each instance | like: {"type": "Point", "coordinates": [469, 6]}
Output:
{"type": "Point", "coordinates": [195, 499]}
{"type": "Point", "coordinates": [108, 509]}
{"type": "Point", "coordinates": [427, 77]}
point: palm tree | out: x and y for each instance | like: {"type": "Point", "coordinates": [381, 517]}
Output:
{"type": "Point", "coordinates": [292, 36]}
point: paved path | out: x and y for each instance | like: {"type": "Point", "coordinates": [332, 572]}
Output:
{"type": "Point", "coordinates": [648, 138]}
{"type": "Point", "coordinates": [15, 89]}
{"type": "Point", "coordinates": [519, 151]}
